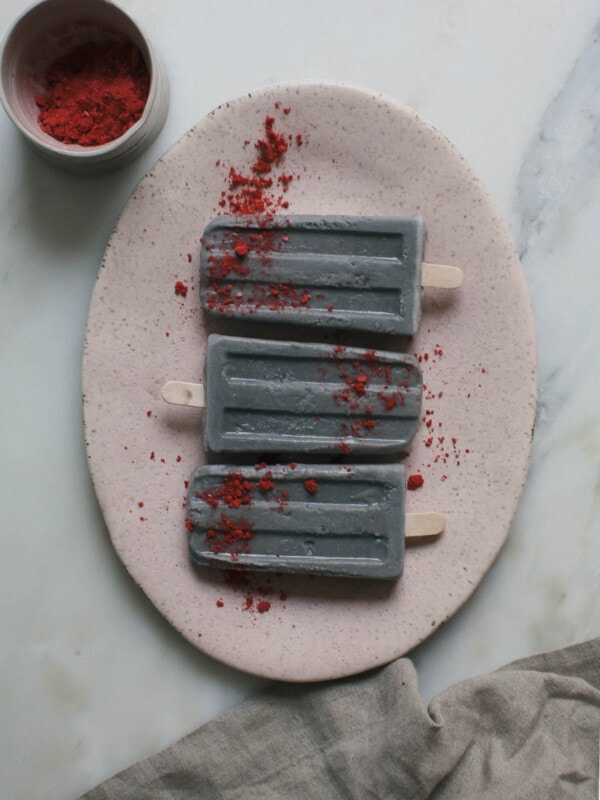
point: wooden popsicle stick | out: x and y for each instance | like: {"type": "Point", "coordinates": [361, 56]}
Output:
{"type": "Point", "coordinates": [441, 276]}
{"type": "Point", "coordinates": [418, 525]}
{"type": "Point", "coordinates": [424, 525]}
{"type": "Point", "coordinates": [180, 393]}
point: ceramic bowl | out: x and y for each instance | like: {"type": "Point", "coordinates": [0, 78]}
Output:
{"type": "Point", "coordinates": [51, 29]}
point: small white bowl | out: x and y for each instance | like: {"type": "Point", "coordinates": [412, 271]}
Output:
{"type": "Point", "coordinates": [51, 29]}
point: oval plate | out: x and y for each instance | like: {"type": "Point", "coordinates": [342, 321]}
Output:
{"type": "Point", "coordinates": [364, 154]}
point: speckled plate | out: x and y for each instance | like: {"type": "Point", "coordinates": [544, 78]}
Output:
{"type": "Point", "coordinates": [361, 153]}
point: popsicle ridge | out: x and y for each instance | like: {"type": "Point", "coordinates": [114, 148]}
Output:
{"type": "Point", "coordinates": [318, 519]}
{"type": "Point", "coordinates": [272, 396]}
{"type": "Point", "coordinates": [331, 271]}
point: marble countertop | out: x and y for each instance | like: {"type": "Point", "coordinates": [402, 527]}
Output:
{"type": "Point", "coordinates": [91, 676]}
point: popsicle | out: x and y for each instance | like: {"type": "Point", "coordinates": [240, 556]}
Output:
{"type": "Point", "coordinates": [356, 273]}
{"type": "Point", "coordinates": [267, 396]}
{"type": "Point", "coordinates": [314, 519]}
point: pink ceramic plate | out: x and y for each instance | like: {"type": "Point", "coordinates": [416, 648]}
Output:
{"type": "Point", "coordinates": [358, 153]}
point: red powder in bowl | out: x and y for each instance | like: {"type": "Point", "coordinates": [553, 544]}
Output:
{"type": "Point", "coordinates": [95, 93]}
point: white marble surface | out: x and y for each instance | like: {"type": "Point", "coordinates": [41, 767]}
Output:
{"type": "Point", "coordinates": [91, 677]}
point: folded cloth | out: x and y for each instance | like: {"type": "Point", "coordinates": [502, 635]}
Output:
{"type": "Point", "coordinates": [528, 730]}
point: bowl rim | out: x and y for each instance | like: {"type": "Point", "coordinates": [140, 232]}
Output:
{"type": "Point", "coordinates": [83, 152]}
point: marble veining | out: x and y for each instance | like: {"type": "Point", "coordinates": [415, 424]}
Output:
{"type": "Point", "coordinates": [557, 204]}
{"type": "Point", "coordinates": [563, 159]}
{"type": "Point", "coordinates": [552, 557]}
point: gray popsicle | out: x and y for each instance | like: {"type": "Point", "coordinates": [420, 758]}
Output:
{"type": "Point", "coordinates": [356, 273]}
{"type": "Point", "coordinates": [321, 519]}
{"type": "Point", "coordinates": [267, 396]}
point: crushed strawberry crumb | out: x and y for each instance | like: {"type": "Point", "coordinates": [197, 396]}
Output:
{"type": "Point", "coordinates": [181, 288]}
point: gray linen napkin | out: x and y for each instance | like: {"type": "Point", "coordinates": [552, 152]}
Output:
{"type": "Point", "coordinates": [529, 730]}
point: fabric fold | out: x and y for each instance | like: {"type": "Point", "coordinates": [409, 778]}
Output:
{"type": "Point", "coordinates": [528, 730]}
